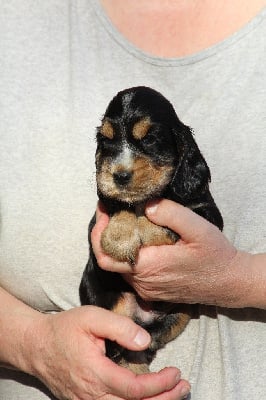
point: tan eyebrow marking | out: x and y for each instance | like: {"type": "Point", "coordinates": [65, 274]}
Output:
{"type": "Point", "coordinates": [140, 129]}
{"type": "Point", "coordinates": [107, 129]}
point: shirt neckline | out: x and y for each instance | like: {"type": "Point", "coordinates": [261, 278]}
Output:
{"type": "Point", "coordinates": [173, 61]}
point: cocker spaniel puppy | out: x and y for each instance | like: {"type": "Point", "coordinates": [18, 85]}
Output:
{"type": "Point", "coordinates": [143, 152]}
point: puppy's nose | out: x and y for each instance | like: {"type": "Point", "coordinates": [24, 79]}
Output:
{"type": "Point", "coordinates": [122, 178]}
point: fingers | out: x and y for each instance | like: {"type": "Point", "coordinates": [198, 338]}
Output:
{"type": "Point", "coordinates": [179, 392]}
{"type": "Point", "coordinates": [102, 217]}
{"type": "Point", "coordinates": [180, 219]}
{"type": "Point", "coordinates": [105, 261]}
{"type": "Point", "coordinates": [106, 324]}
{"type": "Point", "coordinates": [123, 383]}
{"type": "Point", "coordinates": [101, 212]}
{"type": "Point", "coordinates": [120, 382]}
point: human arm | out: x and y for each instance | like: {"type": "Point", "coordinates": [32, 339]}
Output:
{"type": "Point", "coordinates": [202, 267]}
{"type": "Point", "coordinates": [66, 352]}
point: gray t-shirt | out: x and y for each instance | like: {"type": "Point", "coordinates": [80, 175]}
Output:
{"type": "Point", "coordinates": [60, 64]}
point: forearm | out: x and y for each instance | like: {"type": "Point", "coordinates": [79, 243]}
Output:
{"type": "Point", "coordinates": [250, 280]}
{"type": "Point", "coordinates": [15, 319]}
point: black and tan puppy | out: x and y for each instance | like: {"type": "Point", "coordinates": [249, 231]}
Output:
{"type": "Point", "coordinates": [143, 152]}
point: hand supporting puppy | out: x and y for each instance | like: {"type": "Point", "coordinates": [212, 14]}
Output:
{"type": "Point", "coordinates": [66, 351]}
{"type": "Point", "coordinates": [202, 267]}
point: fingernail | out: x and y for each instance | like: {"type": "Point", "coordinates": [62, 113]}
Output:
{"type": "Point", "coordinates": [152, 207]}
{"type": "Point", "coordinates": [142, 338]}
{"type": "Point", "coordinates": [185, 392]}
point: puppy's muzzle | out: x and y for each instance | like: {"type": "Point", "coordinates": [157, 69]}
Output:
{"type": "Point", "coordinates": [122, 178]}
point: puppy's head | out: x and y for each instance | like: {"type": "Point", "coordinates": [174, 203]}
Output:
{"type": "Point", "coordinates": [140, 146]}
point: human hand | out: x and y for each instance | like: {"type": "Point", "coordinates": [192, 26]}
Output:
{"type": "Point", "coordinates": [202, 267]}
{"type": "Point", "coordinates": [66, 351]}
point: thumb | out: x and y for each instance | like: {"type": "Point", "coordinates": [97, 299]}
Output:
{"type": "Point", "coordinates": [178, 218]}
{"type": "Point", "coordinates": [109, 325]}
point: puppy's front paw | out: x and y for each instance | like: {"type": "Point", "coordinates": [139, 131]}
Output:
{"type": "Point", "coordinates": [120, 239]}
{"type": "Point", "coordinates": [154, 235]}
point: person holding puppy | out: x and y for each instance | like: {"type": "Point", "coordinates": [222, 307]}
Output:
{"type": "Point", "coordinates": [61, 64]}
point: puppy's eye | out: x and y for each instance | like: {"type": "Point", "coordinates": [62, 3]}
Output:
{"type": "Point", "coordinates": [105, 143]}
{"type": "Point", "coordinates": [150, 140]}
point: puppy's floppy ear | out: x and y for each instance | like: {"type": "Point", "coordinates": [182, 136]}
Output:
{"type": "Point", "coordinates": [192, 174]}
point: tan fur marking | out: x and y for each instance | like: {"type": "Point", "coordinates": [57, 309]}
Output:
{"type": "Point", "coordinates": [107, 129]}
{"type": "Point", "coordinates": [153, 235]}
{"type": "Point", "coordinates": [126, 305]}
{"type": "Point", "coordinates": [120, 307]}
{"type": "Point", "coordinates": [140, 129]}
{"type": "Point", "coordinates": [176, 329]}
{"type": "Point", "coordinates": [148, 176]}
{"type": "Point", "coordinates": [170, 333]}
{"type": "Point", "coordinates": [135, 368]}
